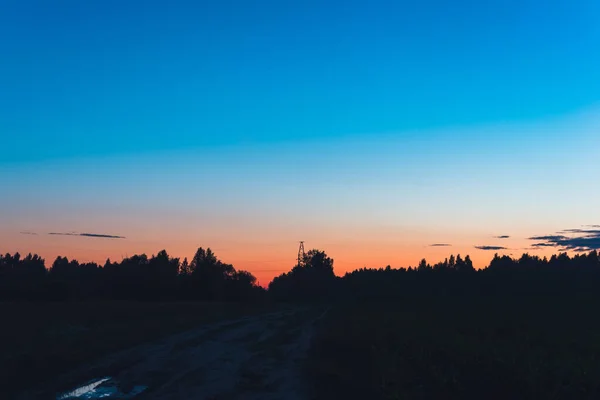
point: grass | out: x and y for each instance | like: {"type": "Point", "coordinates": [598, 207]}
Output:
{"type": "Point", "coordinates": [459, 348]}
{"type": "Point", "coordinates": [40, 341]}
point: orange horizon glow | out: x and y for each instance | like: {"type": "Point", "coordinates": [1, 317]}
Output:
{"type": "Point", "coordinates": [266, 262]}
{"type": "Point", "coordinates": [252, 204]}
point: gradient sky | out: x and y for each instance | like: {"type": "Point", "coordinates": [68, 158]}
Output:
{"type": "Point", "coordinates": [371, 130]}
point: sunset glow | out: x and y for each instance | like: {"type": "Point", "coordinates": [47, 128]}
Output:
{"type": "Point", "coordinates": [202, 128]}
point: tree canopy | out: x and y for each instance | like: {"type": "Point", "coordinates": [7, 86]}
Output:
{"type": "Point", "coordinates": [206, 278]}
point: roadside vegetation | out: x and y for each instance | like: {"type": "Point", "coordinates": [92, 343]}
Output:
{"type": "Point", "coordinates": [461, 347]}
{"type": "Point", "coordinates": [523, 328]}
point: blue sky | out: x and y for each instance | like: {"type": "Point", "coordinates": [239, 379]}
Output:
{"type": "Point", "coordinates": [279, 105]}
{"type": "Point", "coordinates": [103, 77]}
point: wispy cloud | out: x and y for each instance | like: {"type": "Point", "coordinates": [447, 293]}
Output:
{"type": "Point", "coordinates": [490, 247]}
{"type": "Point", "coordinates": [549, 238]}
{"type": "Point", "coordinates": [584, 231]}
{"type": "Point", "coordinates": [97, 235]}
{"type": "Point", "coordinates": [92, 235]}
{"type": "Point", "coordinates": [571, 239]}
{"type": "Point", "coordinates": [502, 237]}
{"type": "Point", "coordinates": [440, 245]}
{"type": "Point", "coordinates": [27, 233]}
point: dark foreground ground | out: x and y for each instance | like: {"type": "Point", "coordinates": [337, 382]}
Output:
{"type": "Point", "coordinates": [232, 352]}
{"type": "Point", "coordinates": [40, 342]}
{"type": "Point", "coordinates": [428, 348]}
{"type": "Point", "coordinates": [460, 348]}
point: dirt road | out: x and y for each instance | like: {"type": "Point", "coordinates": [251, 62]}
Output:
{"type": "Point", "coordinates": [257, 357]}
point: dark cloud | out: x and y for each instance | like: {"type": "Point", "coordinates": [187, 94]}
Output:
{"type": "Point", "coordinates": [27, 233]}
{"type": "Point", "coordinates": [440, 245]}
{"type": "Point", "coordinates": [584, 231]}
{"type": "Point", "coordinates": [490, 247]}
{"type": "Point", "coordinates": [93, 235]}
{"type": "Point", "coordinates": [580, 240]}
{"type": "Point", "coordinates": [97, 235]}
{"type": "Point", "coordinates": [549, 238]}
{"type": "Point", "coordinates": [502, 237]}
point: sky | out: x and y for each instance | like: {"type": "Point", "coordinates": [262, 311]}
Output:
{"type": "Point", "coordinates": [376, 131]}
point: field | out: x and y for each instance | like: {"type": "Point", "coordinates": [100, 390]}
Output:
{"type": "Point", "coordinates": [440, 347]}
{"type": "Point", "coordinates": [40, 341]}
{"type": "Point", "coordinates": [459, 348]}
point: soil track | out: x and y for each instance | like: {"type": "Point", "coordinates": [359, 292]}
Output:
{"type": "Point", "coordinates": [257, 357]}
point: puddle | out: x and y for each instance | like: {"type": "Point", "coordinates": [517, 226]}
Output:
{"type": "Point", "coordinates": [104, 388]}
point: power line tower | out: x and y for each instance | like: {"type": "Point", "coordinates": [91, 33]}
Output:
{"type": "Point", "coordinates": [301, 253]}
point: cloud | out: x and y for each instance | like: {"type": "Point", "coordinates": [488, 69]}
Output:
{"type": "Point", "coordinates": [92, 235]}
{"type": "Point", "coordinates": [585, 231]}
{"type": "Point", "coordinates": [490, 247]}
{"type": "Point", "coordinates": [579, 239]}
{"type": "Point", "coordinates": [27, 233]}
{"type": "Point", "coordinates": [98, 235]}
{"type": "Point", "coordinates": [502, 237]}
{"type": "Point", "coordinates": [439, 245]}
{"type": "Point", "coordinates": [550, 238]}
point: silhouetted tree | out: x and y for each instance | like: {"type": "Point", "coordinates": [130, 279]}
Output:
{"type": "Point", "coordinates": [469, 264]}
{"type": "Point", "coordinates": [162, 277]}
{"type": "Point", "coordinates": [313, 279]}
{"type": "Point", "coordinates": [208, 278]}
{"type": "Point", "coordinates": [185, 268]}
{"type": "Point", "coordinates": [22, 278]}
{"type": "Point", "coordinates": [159, 277]}
{"type": "Point", "coordinates": [423, 266]}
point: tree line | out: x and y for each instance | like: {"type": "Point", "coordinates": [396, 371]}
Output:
{"type": "Point", "coordinates": [164, 278]}
{"type": "Point", "coordinates": [528, 275]}
{"type": "Point", "coordinates": [159, 277]}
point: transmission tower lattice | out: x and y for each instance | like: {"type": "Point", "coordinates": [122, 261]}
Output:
{"type": "Point", "coordinates": [301, 253]}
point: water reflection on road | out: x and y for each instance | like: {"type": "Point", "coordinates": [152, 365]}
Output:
{"type": "Point", "coordinates": [103, 388]}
